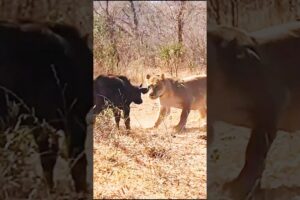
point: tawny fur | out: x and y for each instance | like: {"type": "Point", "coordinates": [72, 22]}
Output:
{"type": "Point", "coordinates": [186, 94]}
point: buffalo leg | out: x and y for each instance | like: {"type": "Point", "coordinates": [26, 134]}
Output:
{"type": "Point", "coordinates": [79, 172]}
{"type": "Point", "coordinates": [79, 164]}
{"type": "Point", "coordinates": [48, 154]}
{"type": "Point", "coordinates": [126, 117]}
{"type": "Point", "coordinates": [256, 153]}
{"type": "Point", "coordinates": [117, 115]}
{"type": "Point", "coordinates": [48, 162]}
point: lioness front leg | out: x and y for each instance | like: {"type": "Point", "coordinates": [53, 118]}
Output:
{"type": "Point", "coordinates": [163, 112]}
{"type": "Point", "coordinates": [183, 119]}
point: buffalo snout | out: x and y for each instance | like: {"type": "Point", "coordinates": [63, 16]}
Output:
{"type": "Point", "coordinates": [138, 101]}
{"type": "Point", "coordinates": [144, 90]}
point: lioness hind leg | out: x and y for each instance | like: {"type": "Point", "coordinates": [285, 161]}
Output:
{"type": "Point", "coordinates": [183, 119]}
{"type": "Point", "coordinates": [202, 113]}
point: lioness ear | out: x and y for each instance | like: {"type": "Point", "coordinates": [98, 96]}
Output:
{"type": "Point", "coordinates": [148, 76]}
{"type": "Point", "coordinates": [162, 76]}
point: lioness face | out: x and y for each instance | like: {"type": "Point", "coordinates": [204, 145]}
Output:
{"type": "Point", "coordinates": [156, 86]}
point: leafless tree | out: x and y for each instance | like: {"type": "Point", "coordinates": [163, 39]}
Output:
{"type": "Point", "coordinates": [142, 29]}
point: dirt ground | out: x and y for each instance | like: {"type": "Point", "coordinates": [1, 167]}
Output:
{"type": "Point", "coordinates": [150, 163]}
{"type": "Point", "coordinates": [281, 177]}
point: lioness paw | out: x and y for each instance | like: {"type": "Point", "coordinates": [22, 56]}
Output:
{"type": "Point", "coordinates": [178, 128]}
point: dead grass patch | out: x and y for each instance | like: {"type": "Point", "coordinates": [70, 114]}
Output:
{"type": "Point", "coordinates": [148, 163]}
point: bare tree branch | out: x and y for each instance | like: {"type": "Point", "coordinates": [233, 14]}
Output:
{"type": "Point", "coordinates": [135, 20]}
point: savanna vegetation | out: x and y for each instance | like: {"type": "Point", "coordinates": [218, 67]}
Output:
{"type": "Point", "coordinates": [134, 38]}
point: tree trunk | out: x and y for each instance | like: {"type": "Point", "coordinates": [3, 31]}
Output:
{"type": "Point", "coordinates": [180, 22]}
{"type": "Point", "coordinates": [136, 27]}
{"type": "Point", "coordinates": [112, 38]}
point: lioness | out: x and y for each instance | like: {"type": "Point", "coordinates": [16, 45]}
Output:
{"type": "Point", "coordinates": [187, 94]}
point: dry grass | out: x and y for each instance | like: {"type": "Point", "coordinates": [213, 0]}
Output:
{"type": "Point", "coordinates": [21, 174]}
{"type": "Point", "coordinates": [149, 163]}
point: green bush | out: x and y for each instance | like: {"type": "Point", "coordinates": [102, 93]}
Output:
{"type": "Point", "coordinates": [172, 55]}
{"type": "Point", "coordinates": [174, 50]}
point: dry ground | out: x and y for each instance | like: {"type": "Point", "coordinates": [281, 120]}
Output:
{"type": "Point", "coordinates": [280, 179]}
{"type": "Point", "coordinates": [149, 163]}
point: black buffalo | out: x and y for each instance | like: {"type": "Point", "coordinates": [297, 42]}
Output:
{"type": "Point", "coordinates": [116, 92]}
{"type": "Point", "coordinates": [48, 67]}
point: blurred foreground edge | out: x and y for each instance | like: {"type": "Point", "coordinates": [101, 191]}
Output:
{"type": "Point", "coordinates": [253, 82]}
{"type": "Point", "coordinates": [46, 70]}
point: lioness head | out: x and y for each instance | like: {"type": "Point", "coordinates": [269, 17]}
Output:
{"type": "Point", "coordinates": [157, 85]}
